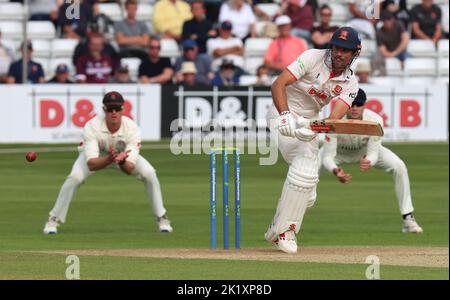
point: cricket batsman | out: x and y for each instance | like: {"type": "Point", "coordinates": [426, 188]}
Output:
{"type": "Point", "coordinates": [110, 140]}
{"type": "Point", "coordinates": [369, 152]}
{"type": "Point", "coordinates": [308, 84]}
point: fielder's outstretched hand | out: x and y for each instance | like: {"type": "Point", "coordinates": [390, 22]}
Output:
{"type": "Point", "coordinates": [342, 176]}
{"type": "Point", "coordinates": [121, 156]}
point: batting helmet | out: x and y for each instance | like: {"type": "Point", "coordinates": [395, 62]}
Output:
{"type": "Point", "coordinates": [346, 37]}
{"type": "Point", "coordinates": [360, 98]}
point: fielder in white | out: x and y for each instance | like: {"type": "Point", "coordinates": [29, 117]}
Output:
{"type": "Point", "coordinates": [314, 79]}
{"type": "Point", "coordinates": [112, 140]}
{"type": "Point", "coordinates": [369, 152]}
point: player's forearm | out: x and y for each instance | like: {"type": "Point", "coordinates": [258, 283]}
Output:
{"type": "Point", "coordinates": [127, 167]}
{"type": "Point", "coordinates": [329, 164]}
{"type": "Point", "coordinates": [99, 163]}
{"type": "Point", "coordinates": [279, 91]}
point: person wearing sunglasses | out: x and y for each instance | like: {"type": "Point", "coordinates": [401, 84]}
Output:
{"type": "Point", "coordinates": [110, 140]}
{"type": "Point", "coordinates": [369, 152]}
{"type": "Point", "coordinates": [321, 35]}
{"type": "Point", "coordinates": [155, 69]}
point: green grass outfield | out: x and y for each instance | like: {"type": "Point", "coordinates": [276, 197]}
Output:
{"type": "Point", "coordinates": [110, 211]}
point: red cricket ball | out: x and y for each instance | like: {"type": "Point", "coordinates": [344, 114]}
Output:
{"type": "Point", "coordinates": [31, 156]}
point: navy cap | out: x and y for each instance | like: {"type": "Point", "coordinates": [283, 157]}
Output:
{"type": "Point", "coordinates": [189, 44]}
{"type": "Point", "coordinates": [346, 37]}
{"type": "Point", "coordinates": [226, 25]}
{"type": "Point", "coordinates": [61, 68]}
{"type": "Point", "coordinates": [360, 98]}
{"type": "Point", "coordinates": [113, 98]}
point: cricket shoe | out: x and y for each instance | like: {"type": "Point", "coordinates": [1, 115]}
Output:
{"type": "Point", "coordinates": [274, 243]}
{"type": "Point", "coordinates": [287, 242]}
{"type": "Point", "coordinates": [410, 225]}
{"type": "Point", "coordinates": [51, 225]}
{"type": "Point", "coordinates": [164, 224]}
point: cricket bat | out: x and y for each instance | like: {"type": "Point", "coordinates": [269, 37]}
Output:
{"type": "Point", "coordinates": [347, 127]}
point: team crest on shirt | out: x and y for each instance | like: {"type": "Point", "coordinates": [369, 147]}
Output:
{"type": "Point", "coordinates": [337, 89]}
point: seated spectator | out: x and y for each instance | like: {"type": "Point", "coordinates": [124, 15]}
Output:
{"type": "Point", "coordinates": [302, 17]}
{"type": "Point", "coordinates": [61, 75]}
{"type": "Point", "coordinates": [188, 74]}
{"type": "Point", "coordinates": [445, 20]}
{"type": "Point", "coordinates": [321, 35]}
{"type": "Point", "coordinates": [169, 17]}
{"type": "Point", "coordinates": [71, 27]}
{"type": "Point", "coordinates": [285, 48]}
{"type": "Point", "coordinates": [35, 71]}
{"type": "Point", "coordinates": [225, 46]}
{"type": "Point", "coordinates": [83, 48]}
{"type": "Point", "coordinates": [95, 66]}
{"type": "Point", "coordinates": [198, 28]}
{"type": "Point", "coordinates": [43, 10]}
{"type": "Point", "coordinates": [101, 23]}
{"type": "Point", "coordinates": [227, 75]}
{"type": "Point", "coordinates": [263, 77]}
{"type": "Point", "coordinates": [202, 62]}
{"type": "Point", "coordinates": [132, 36]}
{"type": "Point", "coordinates": [155, 69]}
{"type": "Point", "coordinates": [122, 75]}
{"type": "Point", "coordinates": [241, 16]}
{"type": "Point", "coordinates": [6, 58]}
{"type": "Point", "coordinates": [398, 8]}
{"type": "Point", "coordinates": [392, 38]}
{"type": "Point", "coordinates": [360, 22]}
{"type": "Point", "coordinates": [426, 21]}
{"type": "Point", "coordinates": [362, 72]}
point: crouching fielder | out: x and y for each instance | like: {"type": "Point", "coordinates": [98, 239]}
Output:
{"type": "Point", "coordinates": [369, 152]}
{"type": "Point", "coordinates": [309, 83]}
{"type": "Point", "coordinates": [110, 140]}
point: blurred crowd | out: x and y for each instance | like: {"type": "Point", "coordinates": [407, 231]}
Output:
{"type": "Point", "coordinates": [211, 36]}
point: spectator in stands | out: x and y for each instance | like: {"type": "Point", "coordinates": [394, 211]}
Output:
{"type": "Point", "coordinates": [43, 10]}
{"type": "Point", "coordinates": [392, 38]}
{"type": "Point", "coordinates": [321, 35]}
{"type": "Point", "coordinates": [426, 21]}
{"type": "Point", "coordinates": [445, 20]}
{"type": "Point", "coordinates": [202, 62]}
{"type": "Point", "coordinates": [225, 46]}
{"type": "Point", "coordinates": [227, 75]}
{"type": "Point", "coordinates": [398, 8]}
{"type": "Point", "coordinates": [362, 72]}
{"type": "Point", "coordinates": [83, 48]}
{"type": "Point", "coordinates": [198, 28]}
{"type": "Point", "coordinates": [35, 71]}
{"type": "Point", "coordinates": [188, 73]}
{"type": "Point", "coordinates": [96, 66]}
{"type": "Point", "coordinates": [302, 17]}
{"type": "Point", "coordinates": [101, 23]}
{"type": "Point", "coordinates": [241, 16]}
{"type": "Point", "coordinates": [6, 58]}
{"type": "Point", "coordinates": [122, 75]}
{"type": "Point", "coordinates": [61, 75]}
{"type": "Point", "coordinates": [285, 48]}
{"type": "Point", "coordinates": [71, 27]}
{"type": "Point", "coordinates": [360, 21]}
{"type": "Point", "coordinates": [155, 69]}
{"type": "Point", "coordinates": [132, 35]}
{"type": "Point", "coordinates": [263, 77]}
{"type": "Point", "coordinates": [169, 17]}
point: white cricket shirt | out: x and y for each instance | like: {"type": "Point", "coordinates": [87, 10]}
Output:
{"type": "Point", "coordinates": [352, 146]}
{"type": "Point", "coordinates": [316, 86]}
{"type": "Point", "coordinates": [97, 138]}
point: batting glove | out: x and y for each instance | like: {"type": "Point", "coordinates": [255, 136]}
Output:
{"type": "Point", "coordinates": [286, 124]}
{"type": "Point", "coordinates": [302, 122]}
{"type": "Point", "coordinates": [305, 134]}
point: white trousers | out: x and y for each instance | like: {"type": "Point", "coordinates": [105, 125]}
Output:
{"type": "Point", "coordinates": [143, 171]}
{"type": "Point", "coordinates": [391, 163]}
